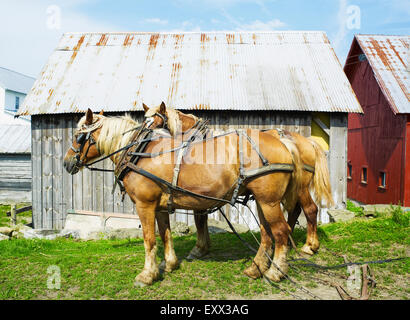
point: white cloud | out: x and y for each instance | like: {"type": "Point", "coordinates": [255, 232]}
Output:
{"type": "Point", "coordinates": [156, 21]}
{"type": "Point", "coordinates": [25, 37]}
{"type": "Point", "coordinates": [222, 3]}
{"type": "Point", "coordinates": [258, 25]}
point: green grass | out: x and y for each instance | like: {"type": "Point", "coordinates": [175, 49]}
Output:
{"type": "Point", "coordinates": [353, 208]}
{"type": "Point", "coordinates": [106, 269]}
{"type": "Point", "coordinates": [23, 217]}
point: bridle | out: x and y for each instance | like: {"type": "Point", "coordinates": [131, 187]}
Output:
{"type": "Point", "coordinates": [82, 140]}
{"type": "Point", "coordinates": [86, 135]}
{"type": "Point", "coordinates": [162, 116]}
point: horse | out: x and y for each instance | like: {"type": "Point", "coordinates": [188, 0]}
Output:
{"type": "Point", "coordinates": [201, 185]}
{"type": "Point", "coordinates": [311, 154]}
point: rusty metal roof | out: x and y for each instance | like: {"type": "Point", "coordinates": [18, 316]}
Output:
{"type": "Point", "coordinates": [389, 59]}
{"type": "Point", "coordinates": [293, 70]}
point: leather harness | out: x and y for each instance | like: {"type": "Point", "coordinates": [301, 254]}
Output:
{"type": "Point", "coordinates": [142, 136]}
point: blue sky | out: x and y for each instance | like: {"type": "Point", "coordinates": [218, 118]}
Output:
{"type": "Point", "coordinates": [27, 40]}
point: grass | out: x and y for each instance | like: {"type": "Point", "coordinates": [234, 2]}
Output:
{"type": "Point", "coordinates": [23, 218]}
{"type": "Point", "coordinates": [106, 269]}
{"type": "Point", "coordinates": [353, 208]}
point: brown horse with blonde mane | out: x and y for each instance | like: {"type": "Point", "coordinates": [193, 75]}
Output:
{"type": "Point", "coordinates": [97, 136]}
{"type": "Point", "coordinates": [310, 153]}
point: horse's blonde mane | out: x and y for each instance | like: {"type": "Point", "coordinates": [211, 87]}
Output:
{"type": "Point", "coordinates": [174, 123]}
{"type": "Point", "coordinates": [111, 136]}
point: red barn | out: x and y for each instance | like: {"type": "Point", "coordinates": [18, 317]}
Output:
{"type": "Point", "coordinates": [378, 154]}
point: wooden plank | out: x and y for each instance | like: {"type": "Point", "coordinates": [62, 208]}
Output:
{"type": "Point", "coordinates": [88, 189]}
{"type": "Point", "coordinates": [338, 158]}
{"type": "Point", "coordinates": [36, 155]}
{"type": "Point", "coordinates": [57, 139]}
{"type": "Point", "coordinates": [98, 188]}
{"type": "Point", "coordinates": [108, 178]}
{"type": "Point", "coordinates": [77, 179]}
{"type": "Point", "coordinates": [47, 164]}
{"type": "Point", "coordinates": [321, 125]}
{"type": "Point", "coordinates": [20, 210]}
{"type": "Point", "coordinates": [67, 179]}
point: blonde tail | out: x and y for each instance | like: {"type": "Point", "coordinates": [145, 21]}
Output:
{"type": "Point", "coordinates": [292, 193]}
{"type": "Point", "coordinates": [321, 178]}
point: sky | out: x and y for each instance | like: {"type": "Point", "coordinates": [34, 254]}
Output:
{"type": "Point", "coordinates": [31, 29]}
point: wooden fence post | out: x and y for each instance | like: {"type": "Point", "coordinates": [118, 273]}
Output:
{"type": "Point", "coordinates": [13, 214]}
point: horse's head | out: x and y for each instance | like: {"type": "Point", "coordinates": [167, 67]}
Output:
{"type": "Point", "coordinates": [156, 117]}
{"type": "Point", "coordinates": [84, 147]}
{"type": "Point", "coordinates": [168, 118]}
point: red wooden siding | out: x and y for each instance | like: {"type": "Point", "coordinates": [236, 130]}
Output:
{"type": "Point", "coordinates": [406, 201]}
{"type": "Point", "coordinates": [376, 140]}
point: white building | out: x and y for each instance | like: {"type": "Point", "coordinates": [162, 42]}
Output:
{"type": "Point", "coordinates": [14, 87]}
{"type": "Point", "coordinates": [15, 138]}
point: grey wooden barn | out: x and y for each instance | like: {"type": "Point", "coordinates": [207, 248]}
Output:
{"type": "Point", "coordinates": [15, 163]}
{"type": "Point", "coordinates": [289, 80]}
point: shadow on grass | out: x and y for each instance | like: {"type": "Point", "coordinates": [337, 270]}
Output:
{"type": "Point", "coordinates": [224, 246]}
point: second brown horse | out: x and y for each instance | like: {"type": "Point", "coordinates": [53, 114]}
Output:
{"type": "Point", "coordinates": [310, 154]}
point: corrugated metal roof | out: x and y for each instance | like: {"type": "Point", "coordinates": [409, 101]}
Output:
{"type": "Point", "coordinates": [388, 57]}
{"type": "Point", "coordinates": [15, 139]}
{"type": "Point", "coordinates": [15, 81]}
{"type": "Point", "coordinates": [214, 70]}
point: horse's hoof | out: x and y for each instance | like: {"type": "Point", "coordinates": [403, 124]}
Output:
{"type": "Point", "coordinates": [273, 275]}
{"type": "Point", "coordinates": [146, 278]}
{"type": "Point", "coordinates": [308, 250]}
{"type": "Point", "coordinates": [252, 272]}
{"type": "Point", "coordinates": [140, 284]}
{"type": "Point", "coordinates": [196, 253]}
{"type": "Point", "coordinates": [164, 267]}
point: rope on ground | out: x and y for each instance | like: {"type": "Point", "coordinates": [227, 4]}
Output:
{"type": "Point", "coordinates": [267, 255]}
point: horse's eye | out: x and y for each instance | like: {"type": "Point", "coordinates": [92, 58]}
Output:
{"type": "Point", "coordinates": [81, 138]}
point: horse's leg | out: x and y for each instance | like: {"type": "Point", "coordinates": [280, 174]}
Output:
{"type": "Point", "coordinates": [310, 209]}
{"type": "Point", "coordinates": [171, 260]}
{"type": "Point", "coordinates": [203, 241]}
{"type": "Point", "coordinates": [261, 261]}
{"type": "Point", "coordinates": [280, 231]}
{"type": "Point", "coordinates": [293, 216]}
{"type": "Point", "coordinates": [150, 273]}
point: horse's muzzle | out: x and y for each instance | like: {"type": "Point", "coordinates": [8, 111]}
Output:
{"type": "Point", "coordinates": [71, 165]}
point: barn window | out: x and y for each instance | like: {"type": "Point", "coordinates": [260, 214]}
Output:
{"type": "Point", "coordinates": [382, 179]}
{"type": "Point", "coordinates": [349, 171]}
{"type": "Point", "coordinates": [17, 103]}
{"type": "Point", "coordinates": [364, 175]}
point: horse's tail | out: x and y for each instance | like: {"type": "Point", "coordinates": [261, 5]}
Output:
{"type": "Point", "coordinates": [292, 193]}
{"type": "Point", "coordinates": [321, 179]}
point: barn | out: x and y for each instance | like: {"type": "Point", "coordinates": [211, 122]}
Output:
{"type": "Point", "coordinates": [379, 140]}
{"type": "Point", "coordinates": [291, 80]}
{"type": "Point", "coordinates": [15, 138]}
{"type": "Point", "coordinates": [15, 163]}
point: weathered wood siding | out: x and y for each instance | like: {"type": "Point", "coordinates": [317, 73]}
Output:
{"type": "Point", "coordinates": [15, 171]}
{"type": "Point", "coordinates": [337, 158]}
{"type": "Point", "coordinates": [55, 191]}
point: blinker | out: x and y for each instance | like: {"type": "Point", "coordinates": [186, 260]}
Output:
{"type": "Point", "coordinates": [81, 138]}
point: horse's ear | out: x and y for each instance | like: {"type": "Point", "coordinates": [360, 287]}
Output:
{"type": "Point", "coordinates": [162, 108]}
{"type": "Point", "coordinates": [145, 107]}
{"type": "Point", "coordinates": [88, 117]}
{"type": "Point", "coordinates": [101, 113]}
